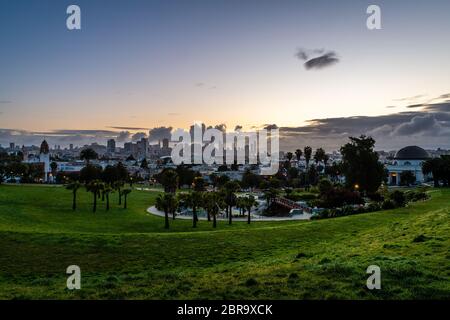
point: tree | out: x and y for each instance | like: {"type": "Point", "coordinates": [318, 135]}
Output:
{"type": "Point", "coordinates": [407, 178]}
{"type": "Point", "coordinates": [199, 184]}
{"type": "Point", "coordinates": [185, 175]}
{"type": "Point", "coordinates": [360, 165]}
{"type": "Point", "coordinates": [194, 201]}
{"type": "Point", "coordinates": [230, 198]}
{"type": "Point", "coordinates": [94, 187]}
{"type": "Point", "coordinates": [325, 160]}
{"type": "Point", "coordinates": [289, 156]}
{"type": "Point", "coordinates": [107, 190]}
{"type": "Point", "coordinates": [166, 202]}
{"type": "Point", "coordinates": [333, 171]}
{"type": "Point", "coordinates": [270, 196]}
{"type": "Point", "coordinates": [174, 203]}
{"type": "Point", "coordinates": [249, 203]}
{"type": "Point", "coordinates": [433, 166]}
{"type": "Point", "coordinates": [53, 167]}
{"type": "Point", "coordinates": [88, 154]}
{"type": "Point", "coordinates": [118, 185]}
{"type": "Point", "coordinates": [144, 164]}
{"type": "Point", "coordinates": [125, 193]}
{"type": "Point", "coordinates": [90, 173]}
{"type": "Point", "coordinates": [319, 155]}
{"type": "Point", "coordinates": [250, 180]}
{"type": "Point", "coordinates": [212, 202]}
{"type": "Point", "coordinates": [74, 186]}
{"type": "Point", "coordinates": [168, 179]}
{"type": "Point", "coordinates": [307, 152]}
{"type": "Point", "coordinates": [298, 154]}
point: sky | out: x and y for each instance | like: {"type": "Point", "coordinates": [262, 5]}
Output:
{"type": "Point", "coordinates": [136, 65]}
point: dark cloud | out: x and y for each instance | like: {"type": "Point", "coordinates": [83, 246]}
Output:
{"type": "Point", "coordinates": [238, 127]}
{"type": "Point", "coordinates": [270, 126]}
{"type": "Point", "coordinates": [420, 124]}
{"type": "Point", "coordinates": [221, 127]}
{"type": "Point", "coordinates": [129, 128]}
{"type": "Point", "coordinates": [138, 136]}
{"type": "Point", "coordinates": [322, 61]}
{"type": "Point", "coordinates": [427, 126]}
{"type": "Point", "coordinates": [5, 101]}
{"type": "Point", "coordinates": [156, 134]}
{"type": "Point", "coordinates": [317, 58]}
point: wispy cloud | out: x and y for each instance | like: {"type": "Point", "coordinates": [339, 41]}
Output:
{"type": "Point", "coordinates": [128, 128]}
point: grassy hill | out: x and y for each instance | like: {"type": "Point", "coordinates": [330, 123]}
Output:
{"type": "Point", "coordinates": [127, 254]}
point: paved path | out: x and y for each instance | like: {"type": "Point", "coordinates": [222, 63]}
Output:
{"type": "Point", "coordinates": [305, 216]}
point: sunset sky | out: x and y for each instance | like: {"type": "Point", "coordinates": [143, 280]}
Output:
{"type": "Point", "coordinates": [142, 64]}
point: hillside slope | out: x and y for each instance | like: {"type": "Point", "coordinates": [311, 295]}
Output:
{"type": "Point", "coordinates": [127, 254]}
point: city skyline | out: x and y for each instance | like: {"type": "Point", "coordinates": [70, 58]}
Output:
{"type": "Point", "coordinates": [167, 64]}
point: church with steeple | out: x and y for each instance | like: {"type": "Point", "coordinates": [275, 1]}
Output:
{"type": "Point", "coordinates": [44, 158]}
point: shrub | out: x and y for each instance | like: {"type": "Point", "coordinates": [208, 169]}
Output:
{"type": "Point", "coordinates": [412, 196]}
{"type": "Point", "coordinates": [398, 197]}
{"type": "Point", "coordinates": [388, 204]}
{"type": "Point", "coordinates": [375, 196]}
{"type": "Point", "coordinates": [373, 206]}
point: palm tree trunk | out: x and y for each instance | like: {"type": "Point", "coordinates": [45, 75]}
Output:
{"type": "Point", "coordinates": [248, 219]}
{"type": "Point", "coordinates": [214, 221]}
{"type": "Point", "coordinates": [166, 219]}
{"type": "Point", "coordinates": [95, 202]}
{"type": "Point", "coordinates": [74, 200]}
{"type": "Point", "coordinates": [173, 215]}
{"type": "Point", "coordinates": [230, 216]}
{"type": "Point", "coordinates": [209, 216]}
{"type": "Point", "coordinates": [194, 217]}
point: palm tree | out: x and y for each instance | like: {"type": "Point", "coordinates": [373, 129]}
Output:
{"type": "Point", "coordinates": [125, 193]}
{"type": "Point", "coordinates": [174, 204]}
{"type": "Point", "coordinates": [74, 186]}
{"type": "Point", "coordinates": [298, 154]}
{"type": "Point", "coordinates": [319, 155]}
{"type": "Point", "coordinates": [307, 152]}
{"type": "Point", "coordinates": [94, 187]}
{"type": "Point", "coordinates": [289, 156]}
{"type": "Point", "coordinates": [433, 166]}
{"type": "Point", "coordinates": [230, 198]}
{"type": "Point", "coordinates": [249, 203]}
{"type": "Point", "coordinates": [325, 159]}
{"type": "Point", "coordinates": [240, 205]}
{"type": "Point", "coordinates": [53, 167]}
{"type": "Point", "coordinates": [88, 154]}
{"type": "Point", "coordinates": [163, 201]}
{"type": "Point", "coordinates": [107, 190]}
{"type": "Point", "coordinates": [212, 204]}
{"type": "Point", "coordinates": [118, 186]}
{"type": "Point", "coordinates": [194, 201]}
{"type": "Point", "coordinates": [270, 195]}
{"type": "Point", "coordinates": [169, 179]}
{"type": "Point", "coordinates": [205, 204]}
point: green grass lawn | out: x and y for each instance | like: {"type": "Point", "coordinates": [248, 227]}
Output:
{"type": "Point", "coordinates": [127, 254]}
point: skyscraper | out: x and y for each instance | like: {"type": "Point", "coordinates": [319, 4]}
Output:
{"type": "Point", "coordinates": [111, 146]}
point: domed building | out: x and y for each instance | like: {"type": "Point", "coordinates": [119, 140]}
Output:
{"type": "Point", "coordinates": [407, 159]}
